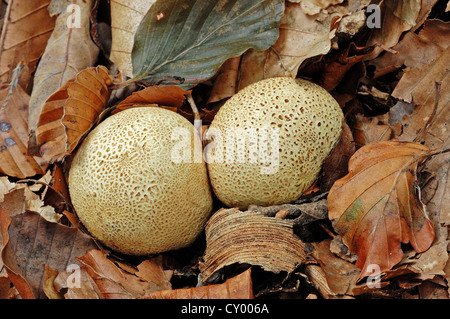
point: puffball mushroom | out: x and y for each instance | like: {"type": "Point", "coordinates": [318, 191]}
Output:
{"type": "Point", "coordinates": [131, 192]}
{"type": "Point", "coordinates": [279, 130]}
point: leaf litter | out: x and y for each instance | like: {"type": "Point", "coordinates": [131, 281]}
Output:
{"type": "Point", "coordinates": [382, 196]}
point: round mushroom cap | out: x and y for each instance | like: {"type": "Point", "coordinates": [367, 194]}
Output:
{"type": "Point", "coordinates": [132, 186]}
{"type": "Point", "coordinates": [268, 141]}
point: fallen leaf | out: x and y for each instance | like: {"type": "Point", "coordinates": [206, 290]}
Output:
{"type": "Point", "coordinates": [50, 275]}
{"type": "Point", "coordinates": [68, 51]}
{"type": "Point", "coordinates": [126, 16]}
{"type": "Point", "coordinates": [370, 129]}
{"type": "Point", "coordinates": [152, 270]}
{"type": "Point", "coordinates": [5, 187]}
{"type": "Point", "coordinates": [83, 288]}
{"type": "Point", "coordinates": [301, 36]}
{"type": "Point", "coordinates": [238, 287]}
{"type": "Point", "coordinates": [341, 275]}
{"type": "Point", "coordinates": [186, 42]}
{"type": "Point", "coordinates": [71, 112]}
{"type": "Point", "coordinates": [226, 80]}
{"type": "Point", "coordinates": [31, 242]}
{"type": "Point", "coordinates": [26, 28]}
{"type": "Point", "coordinates": [14, 160]}
{"type": "Point", "coordinates": [428, 45]}
{"type": "Point", "coordinates": [337, 65]}
{"type": "Point", "coordinates": [114, 282]}
{"type": "Point", "coordinates": [377, 206]}
{"type": "Point", "coordinates": [170, 95]}
{"type": "Point", "coordinates": [335, 166]}
{"type": "Point", "coordinates": [397, 16]}
{"type": "Point", "coordinates": [233, 236]}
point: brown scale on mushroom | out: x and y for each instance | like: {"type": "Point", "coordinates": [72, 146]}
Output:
{"type": "Point", "coordinates": [309, 121]}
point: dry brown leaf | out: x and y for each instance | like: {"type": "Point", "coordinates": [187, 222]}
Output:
{"type": "Point", "coordinates": [31, 242]}
{"type": "Point", "coordinates": [125, 18]}
{"type": "Point", "coordinates": [341, 275]}
{"type": "Point", "coordinates": [14, 160]}
{"type": "Point", "coordinates": [171, 95]}
{"type": "Point", "coordinates": [428, 122]}
{"type": "Point", "coordinates": [428, 45]}
{"type": "Point", "coordinates": [238, 287]}
{"type": "Point", "coordinates": [370, 129]}
{"type": "Point", "coordinates": [301, 36]}
{"type": "Point", "coordinates": [397, 16]}
{"type": "Point", "coordinates": [152, 270]}
{"type": "Point", "coordinates": [68, 51]}
{"type": "Point", "coordinates": [337, 65]}
{"type": "Point", "coordinates": [71, 112]}
{"type": "Point", "coordinates": [377, 206]}
{"type": "Point", "coordinates": [114, 282]}
{"type": "Point", "coordinates": [335, 165]}
{"type": "Point", "coordinates": [25, 31]}
{"type": "Point", "coordinates": [233, 236]}
{"type": "Point", "coordinates": [226, 80]}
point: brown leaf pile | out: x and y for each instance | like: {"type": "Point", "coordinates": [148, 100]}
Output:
{"type": "Point", "coordinates": [375, 224]}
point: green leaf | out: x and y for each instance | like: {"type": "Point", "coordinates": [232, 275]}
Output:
{"type": "Point", "coordinates": [186, 41]}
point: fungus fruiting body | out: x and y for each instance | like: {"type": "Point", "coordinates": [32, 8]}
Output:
{"type": "Point", "coordinates": [282, 129]}
{"type": "Point", "coordinates": [129, 192]}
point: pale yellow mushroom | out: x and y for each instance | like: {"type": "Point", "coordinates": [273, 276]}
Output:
{"type": "Point", "coordinates": [283, 129]}
{"type": "Point", "coordinates": [130, 190]}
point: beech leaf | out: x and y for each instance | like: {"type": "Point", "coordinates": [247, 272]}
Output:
{"type": "Point", "coordinates": [186, 41]}
{"type": "Point", "coordinates": [71, 112]}
{"type": "Point", "coordinates": [377, 206]}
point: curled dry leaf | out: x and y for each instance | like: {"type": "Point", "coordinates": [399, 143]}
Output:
{"type": "Point", "coordinates": [337, 65]}
{"type": "Point", "coordinates": [301, 36]}
{"type": "Point", "coordinates": [70, 112]}
{"type": "Point", "coordinates": [234, 236]}
{"type": "Point", "coordinates": [238, 287]}
{"type": "Point", "coordinates": [14, 160]}
{"type": "Point", "coordinates": [68, 51]}
{"type": "Point", "coordinates": [397, 17]}
{"type": "Point", "coordinates": [31, 242]}
{"type": "Point", "coordinates": [377, 206]}
{"type": "Point", "coordinates": [171, 95]}
{"type": "Point", "coordinates": [115, 281]}
{"type": "Point", "coordinates": [25, 31]}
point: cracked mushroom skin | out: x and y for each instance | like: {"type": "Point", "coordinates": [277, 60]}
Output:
{"type": "Point", "coordinates": [129, 193]}
{"type": "Point", "coordinates": [307, 122]}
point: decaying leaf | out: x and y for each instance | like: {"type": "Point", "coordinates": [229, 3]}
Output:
{"type": "Point", "coordinates": [186, 42]}
{"type": "Point", "coordinates": [68, 51]}
{"type": "Point", "coordinates": [125, 18]}
{"type": "Point", "coordinates": [112, 281]}
{"type": "Point", "coordinates": [25, 30]}
{"type": "Point", "coordinates": [115, 282]}
{"type": "Point", "coordinates": [396, 16]}
{"type": "Point", "coordinates": [234, 236]}
{"type": "Point", "coordinates": [70, 112]}
{"type": "Point", "coordinates": [428, 45]}
{"type": "Point", "coordinates": [238, 287]}
{"type": "Point", "coordinates": [337, 65]}
{"type": "Point", "coordinates": [377, 206]}
{"type": "Point", "coordinates": [14, 160]}
{"type": "Point", "coordinates": [335, 166]}
{"type": "Point", "coordinates": [368, 130]}
{"type": "Point", "coordinates": [31, 242]}
{"type": "Point", "coordinates": [170, 95]}
{"type": "Point", "coordinates": [301, 36]}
